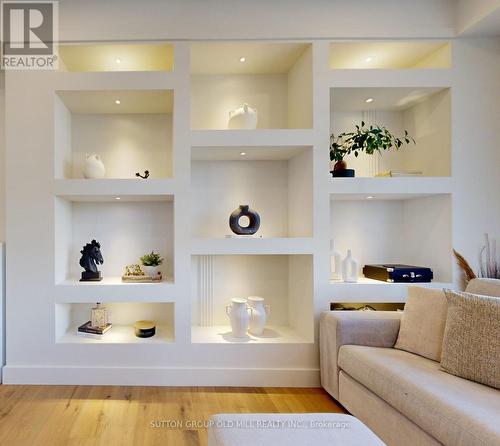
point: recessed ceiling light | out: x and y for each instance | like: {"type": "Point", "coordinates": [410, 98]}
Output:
{"type": "Point", "coordinates": [369, 100]}
{"type": "Point", "coordinates": [117, 102]}
{"type": "Point", "coordinates": [243, 153]}
{"type": "Point", "coordinates": [243, 59]}
{"type": "Point", "coordinates": [117, 198]}
{"type": "Point", "coordinates": [370, 197]}
{"type": "Point", "coordinates": [118, 60]}
{"type": "Point", "coordinates": [368, 59]}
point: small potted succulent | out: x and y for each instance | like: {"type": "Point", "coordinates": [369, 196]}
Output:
{"type": "Point", "coordinates": [365, 139]}
{"type": "Point", "coordinates": [151, 262]}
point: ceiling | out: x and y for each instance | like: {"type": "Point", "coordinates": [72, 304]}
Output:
{"type": "Point", "coordinates": [131, 101]}
{"type": "Point", "coordinates": [131, 57]}
{"type": "Point", "coordinates": [260, 58]}
{"type": "Point", "coordinates": [245, 153]}
{"type": "Point", "coordinates": [380, 54]}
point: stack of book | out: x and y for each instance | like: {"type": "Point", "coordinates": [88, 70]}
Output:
{"type": "Point", "coordinates": [400, 173]}
{"type": "Point", "coordinates": [88, 331]}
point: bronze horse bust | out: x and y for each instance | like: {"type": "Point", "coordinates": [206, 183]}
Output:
{"type": "Point", "coordinates": [91, 257]}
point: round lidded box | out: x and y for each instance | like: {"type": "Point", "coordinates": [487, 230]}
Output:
{"type": "Point", "coordinates": [145, 329]}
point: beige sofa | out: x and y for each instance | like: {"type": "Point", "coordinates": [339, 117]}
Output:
{"type": "Point", "coordinates": [404, 398]}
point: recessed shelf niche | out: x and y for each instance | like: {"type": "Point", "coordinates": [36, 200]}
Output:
{"type": "Point", "coordinates": [274, 78]}
{"type": "Point", "coordinates": [275, 181]}
{"type": "Point", "coordinates": [284, 281]}
{"type": "Point", "coordinates": [69, 316]}
{"type": "Point", "coordinates": [424, 112]}
{"type": "Point", "coordinates": [390, 55]}
{"type": "Point", "coordinates": [131, 130]}
{"type": "Point", "coordinates": [117, 57]}
{"type": "Point", "coordinates": [407, 229]}
{"type": "Point", "coordinates": [126, 228]}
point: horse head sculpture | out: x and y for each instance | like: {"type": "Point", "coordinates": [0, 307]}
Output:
{"type": "Point", "coordinates": [91, 257]}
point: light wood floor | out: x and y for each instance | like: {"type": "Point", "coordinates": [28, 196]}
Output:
{"type": "Point", "coordinates": [118, 416]}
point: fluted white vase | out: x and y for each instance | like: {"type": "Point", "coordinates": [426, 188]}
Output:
{"type": "Point", "coordinates": [239, 317]}
{"type": "Point", "coordinates": [259, 314]}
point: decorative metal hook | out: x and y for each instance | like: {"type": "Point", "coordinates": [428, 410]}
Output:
{"type": "Point", "coordinates": [146, 174]}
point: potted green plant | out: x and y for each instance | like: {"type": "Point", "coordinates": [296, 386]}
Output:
{"type": "Point", "coordinates": [364, 139]}
{"type": "Point", "coordinates": [151, 262]}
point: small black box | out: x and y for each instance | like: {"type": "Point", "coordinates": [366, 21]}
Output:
{"type": "Point", "coordinates": [398, 273]}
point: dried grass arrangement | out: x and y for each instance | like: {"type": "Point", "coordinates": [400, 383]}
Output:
{"type": "Point", "coordinates": [489, 262]}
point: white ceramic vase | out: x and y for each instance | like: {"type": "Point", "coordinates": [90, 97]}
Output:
{"type": "Point", "coordinates": [244, 117]}
{"type": "Point", "coordinates": [94, 167]}
{"type": "Point", "coordinates": [239, 316]}
{"type": "Point", "coordinates": [335, 263]}
{"type": "Point", "coordinates": [259, 314]}
{"type": "Point", "coordinates": [350, 271]}
{"type": "Point", "coordinates": [151, 271]}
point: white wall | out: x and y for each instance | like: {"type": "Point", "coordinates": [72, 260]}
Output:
{"type": "Point", "coordinates": [31, 229]}
{"type": "Point", "coordinates": [214, 96]}
{"type": "Point", "coordinates": [233, 19]}
{"type": "Point", "coordinates": [415, 232]}
{"type": "Point", "coordinates": [476, 147]}
{"type": "Point", "coordinates": [2, 157]}
{"type": "Point", "coordinates": [127, 143]}
{"type": "Point", "coordinates": [126, 231]}
{"type": "Point", "coordinates": [300, 96]}
{"type": "Point", "coordinates": [220, 187]}
{"type": "Point", "coordinates": [429, 122]}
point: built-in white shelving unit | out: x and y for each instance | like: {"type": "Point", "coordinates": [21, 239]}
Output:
{"type": "Point", "coordinates": [164, 107]}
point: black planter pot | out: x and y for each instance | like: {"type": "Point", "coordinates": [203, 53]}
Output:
{"type": "Point", "coordinates": [343, 173]}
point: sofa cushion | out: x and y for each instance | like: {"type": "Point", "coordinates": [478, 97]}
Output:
{"type": "Point", "coordinates": [485, 287]}
{"type": "Point", "coordinates": [455, 411]}
{"type": "Point", "coordinates": [471, 345]}
{"type": "Point", "coordinates": [423, 322]}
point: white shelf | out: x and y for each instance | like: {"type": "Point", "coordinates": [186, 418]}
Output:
{"type": "Point", "coordinates": [230, 246]}
{"type": "Point", "coordinates": [416, 78]}
{"type": "Point", "coordinates": [119, 334]}
{"type": "Point", "coordinates": [221, 334]}
{"type": "Point", "coordinates": [108, 189]}
{"type": "Point", "coordinates": [376, 291]}
{"type": "Point", "coordinates": [111, 289]}
{"type": "Point", "coordinates": [399, 188]}
{"type": "Point", "coordinates": [252, 138]}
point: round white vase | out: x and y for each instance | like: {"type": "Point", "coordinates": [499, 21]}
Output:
{"type": "Point", "coordinates": [244, 117]}
{"type": "Point", "coordinates": [239, 316]}
{"type": "Point", "coordinates": [94, 167]}
{"type": "Point", "coordinates": [259, 314]}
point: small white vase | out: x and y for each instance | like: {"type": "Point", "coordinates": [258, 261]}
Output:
{"type": "Point", "coordinates": [350, 271]}
{"type": "Point", "coordinates": [239, 316]}
{"type": "Point", "coordinates": [151, 271]}
{"type": "Point", "coordinates": [94, 167]}
{"type": "Point", "coordinates": [244, 117]}
{"type": "Point", "coordinates": [258, 317]}
{"type": "Point", "coordinates": [335, 263]}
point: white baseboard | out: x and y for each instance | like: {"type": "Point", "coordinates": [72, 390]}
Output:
{"type": "Point", "coordinates": [160, 376]}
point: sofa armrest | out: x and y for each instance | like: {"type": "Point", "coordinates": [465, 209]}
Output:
{"type": "Point", "coordinates": [337, 328]}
